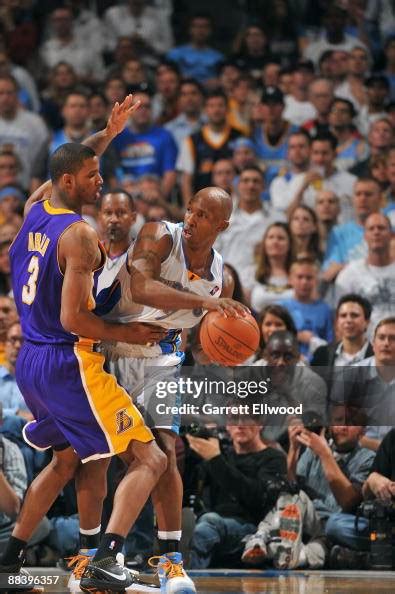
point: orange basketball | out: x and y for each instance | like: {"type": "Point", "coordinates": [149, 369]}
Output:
{"type": "Point", "coordinates": [228, 341]}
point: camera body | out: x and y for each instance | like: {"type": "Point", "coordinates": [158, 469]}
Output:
{"type": "Point", "coordinates": [381, 516]}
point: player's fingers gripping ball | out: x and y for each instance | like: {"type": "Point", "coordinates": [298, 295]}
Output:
{"type": "Point", "coordinates": [228, 340]}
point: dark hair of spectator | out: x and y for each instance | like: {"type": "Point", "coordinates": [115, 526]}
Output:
{"type": "Point", "coordinates": [345, 102]}
{"type": "Point", "coordinates": [327, 55]}
{"type": "Point", "coordinates": [326, 137]}
{"type": "Point", "coordinates": [201, 15]}
{"type": "Point", "coordinates": [252, 167]}
{"type": "Point", "coordinates": [77, 92]}
{"type": "Point", "coordinates": [301, 132]}
{"type": "Point", "coordinates": [169, 65]}
{"type": "Point", "coordinates": [99, 94]}
{"type": "Point", "coordinates": [280, 312]}
{"type": "Point", "coordinates": [195, 83]}
{"type": "Point", "coordinates": [128, 195]}
{"type": "Point", "coordinates": [355, 298]}
{"type": "Point", "coordinates": [263, 270]}
{"type": "Point", "coordinates": [314, 241]}
{"type": "Point", "coordinates": [216, 93]}
{"type": "Point", "coordinates": [69, 158]}
{"type": "Point", "coordinates": [384, 322]}
{"type": "Point", "coordinates": [368, 180]}
{"type": "Point", "coordinates": [238, 293]}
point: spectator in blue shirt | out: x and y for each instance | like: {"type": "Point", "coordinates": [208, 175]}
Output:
{"type": "Point", "coordinates": [10, 396]}
{"type": "Point", "coordinates": [312, 317]}
{"type": "Point", "coordinates": [144, 148]}
{"type": "Point", "coordinates": [346, 242]}
{"type": "Point", "coordinates": [196, 59]}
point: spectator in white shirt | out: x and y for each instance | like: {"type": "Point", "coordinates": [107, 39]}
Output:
{"type": "Point", "coordinates": [324, 175]}
{"type": "Point", "coordinates": [22, 129]}
{"type": "Point", "coordinates": [377, 89]}
{"type": "Point", "coordinates": [148, 27]}
{"type": "Point", "coordinates": [284, 187]}
{"type": "Point", "coordinates": [247, 226]}
{"type": "Point", "coordinates": [298, 108]}
{"type": "Point", "coordinates": [333, 36]}
{"type": "Point", "coordinates": [353, 88]}
{"type": "Point", "coordinates": [372, 277]}
{"type": "Point", "coordinates": [65, 45]}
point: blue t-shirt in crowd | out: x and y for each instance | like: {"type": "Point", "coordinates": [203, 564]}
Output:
{"type": "Point", "coordinates": [315, 317]}
{"type": "Point", "coordinates": [196, 63]}
{"type": "Point", "coordinates": [345, 243]}
{"type": "Point", "coordinates": [153, 151]}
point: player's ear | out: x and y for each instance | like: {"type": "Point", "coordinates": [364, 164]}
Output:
{"type": "Point", "coordinates": [133, 218]}
{"type": "Point", "coordinates": [222, 226]}
{"type": "Point", "coordinates": [68, 180]}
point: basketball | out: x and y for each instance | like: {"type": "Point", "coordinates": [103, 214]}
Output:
{"type": "Point", "coordinates": [228, 341]}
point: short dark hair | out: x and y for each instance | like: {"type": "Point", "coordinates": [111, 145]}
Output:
{"type": "Point", "coordinates": [347, 102]}
{"type": "Point", "coordinates": [355, 298]}
{"type": "Point", "coordinates": [128, 195]}
{"type": "Point", "coordinates": [11, 79]}
{"type": "Point", "coordinates": [69, 158]}
{"type": "Point", "coordinates": [301, 132]}
{"type": "Point", "coordinates": [216, 93]}
{"type": "Point", "coordinates": [326, 137]}
{"type": "Point", "coordinates": [253, 167]}
{"type": "Point", "coordinates": [195, 83]}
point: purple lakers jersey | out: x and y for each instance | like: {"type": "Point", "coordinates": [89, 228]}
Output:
{"type": "Point", "coordinates": [36, 276]}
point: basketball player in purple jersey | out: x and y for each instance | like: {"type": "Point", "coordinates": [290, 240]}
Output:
{"type": "Point", "coordinates": [80, 411]}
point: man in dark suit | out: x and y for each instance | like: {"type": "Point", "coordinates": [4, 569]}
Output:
{"type": "Point", "coordinates": [352, 319]}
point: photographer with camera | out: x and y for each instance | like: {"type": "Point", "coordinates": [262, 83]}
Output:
{"type": "Point", "coordinates": [373, 532]}
{"type": "Point", "coordinates": [238, 488]}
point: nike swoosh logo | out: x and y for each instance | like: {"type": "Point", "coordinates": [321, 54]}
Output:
{"type": "Point", "coordinates": [120, 578]}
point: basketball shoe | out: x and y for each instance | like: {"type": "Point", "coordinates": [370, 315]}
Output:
{"type": "Point", "coordinates": [172, 576]}
{"type": "Point", "coordinates": [77, 564]}
{"type": "Point", "coordinates": [255, 553]}
{"type": "Point", "coordinates": [108, 575]}
{"type": "Point", "coordinates": [286, 552]}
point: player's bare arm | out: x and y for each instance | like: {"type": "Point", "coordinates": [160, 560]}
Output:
{"type": "Point", "coordinates": [120, 114]}
{"type": "Point", "coordinates": [152, 247]}
{"type": "Point", "coordinates": [78, 258]}
{"type": "Point", "coordinates": [42, 193]}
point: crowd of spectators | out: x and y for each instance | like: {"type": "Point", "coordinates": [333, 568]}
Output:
{"type": "Point", "coordinates": [289, 105]}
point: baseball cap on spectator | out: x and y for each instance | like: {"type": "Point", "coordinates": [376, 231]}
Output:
{"type": "Point", "coordinates": [272, 95]}
{"type": "Point", "coordinates": [377, 80]}
{"type": "Point", "coordinates": [303, 64]}
{"type": "Point", "coordinates": [9, 191]}
{"type": "Point", "coordinates": [243, 142]}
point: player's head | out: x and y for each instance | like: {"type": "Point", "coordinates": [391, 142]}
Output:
{"type": "Point", "coordinates": [117, 214]}
{"type": "Point", "coordinates": [74, 171]}
{"type": "Point", "coordinates": [207, 214]}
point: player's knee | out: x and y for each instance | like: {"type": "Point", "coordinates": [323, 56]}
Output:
{"type": "Point", "coordinates": [157, 462]}
{"type": "Point", "coordinates": [64, 467]}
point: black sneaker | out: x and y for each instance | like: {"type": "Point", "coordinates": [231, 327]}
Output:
{"type": "Point", "coordinates": [107, 574]}
{"type": "Point", "coordinates": [344, 558]}
{"type": "Point", "coordinates": [13, 578]}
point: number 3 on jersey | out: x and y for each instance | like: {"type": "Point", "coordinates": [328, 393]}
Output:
{"type": "Point", "coordinates": [29, 290]}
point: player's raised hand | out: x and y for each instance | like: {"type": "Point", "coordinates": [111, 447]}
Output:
{"type": "Point", "coordinates": [228, 307]}
{"type": "Point", "coordinates": [145, 334]}
{"type": "Point", "coordinates": [120, 115]}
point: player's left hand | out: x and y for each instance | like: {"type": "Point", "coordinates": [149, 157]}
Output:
{"type": "Point", "coordinates": [120, 115]}
{"type": "Point", "coordinates": [226, 306]}
{"type": "Point", "coordinates": [206, 448]}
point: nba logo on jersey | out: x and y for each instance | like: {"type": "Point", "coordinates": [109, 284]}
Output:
{"type": "Point", "coordinates": [214, 290]}
{"type": "Point", "coordinates": [124, 422]}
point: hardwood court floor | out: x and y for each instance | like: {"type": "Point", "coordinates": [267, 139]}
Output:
{"type": "Point", "coordinates": [271, 582]}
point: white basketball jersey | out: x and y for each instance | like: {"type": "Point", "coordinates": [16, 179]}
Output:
{"type": "Point", "coordinates": [174, 273]}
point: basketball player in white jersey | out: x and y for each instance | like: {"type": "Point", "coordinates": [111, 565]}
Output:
{"type": "Point", "coordinates": [173, 276]}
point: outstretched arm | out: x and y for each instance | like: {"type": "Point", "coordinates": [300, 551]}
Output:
{"type": "Point", "coordinates": [120, 114]}
{"type": "Point", "coordinates": [118, 119]}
